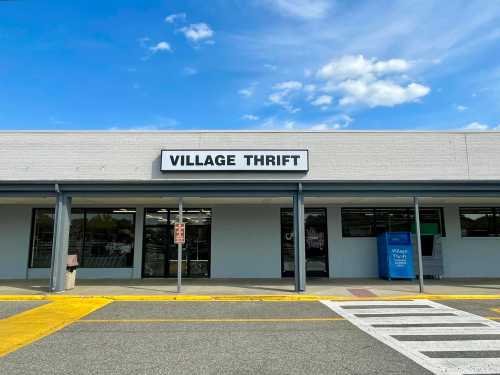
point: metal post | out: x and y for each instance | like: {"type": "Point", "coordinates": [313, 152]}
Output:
{"type": "Point", "coordinates": [299, 240]}
{"type": "Point", "coordinates": [419, 245]}
{"type": "Point", "coordinates": [179, 253]}
{"type": "Point", "coordinates": [60, 241]}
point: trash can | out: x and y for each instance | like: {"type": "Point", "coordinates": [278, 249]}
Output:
{"type": "Point", "coordinates": [395, 255]}
{"type": "Point", "coordinates": [70, 276]}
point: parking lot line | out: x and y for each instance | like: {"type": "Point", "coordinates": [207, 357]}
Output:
{"type": "Point", "coordinates": [229, 320]}
{"type": "Point", "coordinates": [24, 328]}
{"type": "Point", "coordinates": [250, 298]}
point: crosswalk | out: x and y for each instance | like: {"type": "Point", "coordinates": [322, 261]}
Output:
{"type": "Point", "coordinates": [439, 338]}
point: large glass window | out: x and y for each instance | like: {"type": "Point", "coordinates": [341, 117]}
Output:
{"type": "Point", "coordinates": [42, 233]}
{"type": "Point", "coordinates": [371, 221]}
{"type": "Point", "coordinates": [101, 238]}
{"type": "Point", "coordinates": [480, 221]}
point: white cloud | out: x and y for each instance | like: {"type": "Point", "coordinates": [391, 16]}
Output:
{"type": "Point", "coordinates": [461, 108]}
{"type": "Point", "coordinates": [379, 93]}
{"type": "Point", "coordinates": [351, 66]}
{"type": "Point", "coordinates": [172, 18]}
{"type": "Point", "coordinates": [250, 117]}
{"type": "Point", "coordinates": [288, 85]}
{"type": "Point", "coordinates": [271, 67]}
{"type": "Point", "coordinates": [475, 126]}
{"type": "Point", "coordinates": [248, 92]}
{"type": "Point", "coordinates": [161, 46]}
{"type": "Point", "coordinates": [305, 9]}
{"type": "Point", "coordinates": [190, 71]}
{"type": "Point", "coordinates": [282, 97]}
{"type": "Point", "coordinates": [323, 100]}
{"type": "Point", "coordinates": [370, 82]}
{"type": "Point", "coordinates": [197, 32]}
{"type": "Point", "coordinates": [310, 88]}
{"type": "Point", "coordinates": [336, 122]}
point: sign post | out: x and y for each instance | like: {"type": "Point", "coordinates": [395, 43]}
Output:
{"type": "Point", "coordinates": [180, 239]}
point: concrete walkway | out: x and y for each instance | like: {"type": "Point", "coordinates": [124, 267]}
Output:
{"type": "Point", "coordinates": [318, 287]}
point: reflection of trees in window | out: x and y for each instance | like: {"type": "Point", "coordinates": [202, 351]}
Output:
{"type": "Point", "coordinates": [480, 221]}
{"type": "Point", "coordinates": [100, 237]}
{"type": "Point", "coordinates": [371, 221]}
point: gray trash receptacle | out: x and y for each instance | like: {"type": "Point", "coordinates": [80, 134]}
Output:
{"type": "Point", "coordinates": [70, 276]}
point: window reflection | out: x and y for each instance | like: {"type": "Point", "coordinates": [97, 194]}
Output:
{"type": "Point", "coordinates": [101, 238]}
{"type": "Point", "coordinates": [479, 221]}
{"type": "Point", "coordinates": [160, 251]}
{"type": "Point", "coordinates": [315, 241]}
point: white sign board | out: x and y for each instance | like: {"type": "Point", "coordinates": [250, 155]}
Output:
{"type": "Point", "coordinates": [235, 160]}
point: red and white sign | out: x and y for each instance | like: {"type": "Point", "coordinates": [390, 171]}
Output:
{"type": "Point", "coordinates": [180, 234]}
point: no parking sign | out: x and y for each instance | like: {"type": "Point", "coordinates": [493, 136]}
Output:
{"type": "Point", "coordinates": [180, 233]}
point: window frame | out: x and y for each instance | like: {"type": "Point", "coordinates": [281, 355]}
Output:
{"type": "Point", "coordinates": [84, 212]}
{"type": "Point", "coordinates": [493, 228]}
{"type": "Point", "coordinates": [374, 217]}
{"type": "Point", "coordinates": [169, 225]}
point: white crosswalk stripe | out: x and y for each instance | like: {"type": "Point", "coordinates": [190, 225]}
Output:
{"type": "Point", "coordinates": [439, 338]}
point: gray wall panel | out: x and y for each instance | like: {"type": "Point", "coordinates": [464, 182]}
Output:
{"type": "Point", "coordinates": [246, 241]}
{"type": "Point", "coordinates": [468, 257]}
{"type": "Point", "coordinates": [115, 156]}
{"type": "Point", "coordinates": [15, 223]}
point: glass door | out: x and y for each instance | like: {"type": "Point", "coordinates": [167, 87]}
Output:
{"type": "Point", "coordinates": [316, 243]}
{"type": "Point", "coordinates": [156, 241]}
{"type": "Point", "coordinates": [160, 251]}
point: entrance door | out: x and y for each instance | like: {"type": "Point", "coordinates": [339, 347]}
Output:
{"type": "Point", "coordinates": [316, 242]}
{"type": "Point", "coordinates": [160, 252]}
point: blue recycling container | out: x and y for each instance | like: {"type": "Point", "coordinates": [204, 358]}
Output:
{"type": "Point", "coordinates": [395, 255]}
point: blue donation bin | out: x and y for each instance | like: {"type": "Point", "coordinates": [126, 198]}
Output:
{"type": "Point", "coordinates": [395, 255]}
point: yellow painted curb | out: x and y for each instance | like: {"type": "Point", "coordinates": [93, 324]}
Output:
{"type": "Point", "coordinates": [242, 298]}
{"type": "Point", "coordinates": [22, 329]}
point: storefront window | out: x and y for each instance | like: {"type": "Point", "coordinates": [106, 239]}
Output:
{"type": "Point", "coordinates": [479, 221]}
{"type": "Point", "coordinates": [101, 238]}
{"type": "Point", "coordinates": [358, 222]}
{"type": "Point", "coordinates": [43, 231]}
{"type": "Point", "coordinates": [109, 239]}
{"type": "Point", "coordinates": [392, 220]}
{"type": "Point", "coordinates": [369, 222]}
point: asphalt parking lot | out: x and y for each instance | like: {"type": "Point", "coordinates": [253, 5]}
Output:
{"type": "Point", "coordinates": [147, 337]}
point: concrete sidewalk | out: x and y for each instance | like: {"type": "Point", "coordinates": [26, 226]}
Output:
{"type": "Point", "coordinates": [318, 287]}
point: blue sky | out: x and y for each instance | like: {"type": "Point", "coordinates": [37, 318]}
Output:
{"type": "Point", "coordinates": [249, 64]}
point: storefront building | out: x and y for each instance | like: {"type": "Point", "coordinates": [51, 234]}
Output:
{"type": "Point", "coordinates": [253, 202]}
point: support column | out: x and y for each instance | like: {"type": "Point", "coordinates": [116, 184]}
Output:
{"type": "Point", "coordinates": [179, 253]}
{"type": "Point", "coordinates": [299, 240]}
{"type": "Point", "coordinates": [60, 242]}
{"type": "Point", "coordinates": [138, 237]}
{"type": "Point", "coordinates": [419, 246]}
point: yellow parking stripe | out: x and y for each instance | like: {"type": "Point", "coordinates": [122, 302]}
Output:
{"type": "Point", "coordinates": [31, 325]}
{"type": "Point", "coordinates": [250, 298]}
{"type": "Point", "coordinates": [497, 310]}
{"type": "Point", "coordinates": [230, 320]}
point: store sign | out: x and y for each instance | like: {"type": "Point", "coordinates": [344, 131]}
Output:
{"type": "Point", "coordinates": [235, 160]}
{"type": "Point", "coordinates": [180, 233]}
